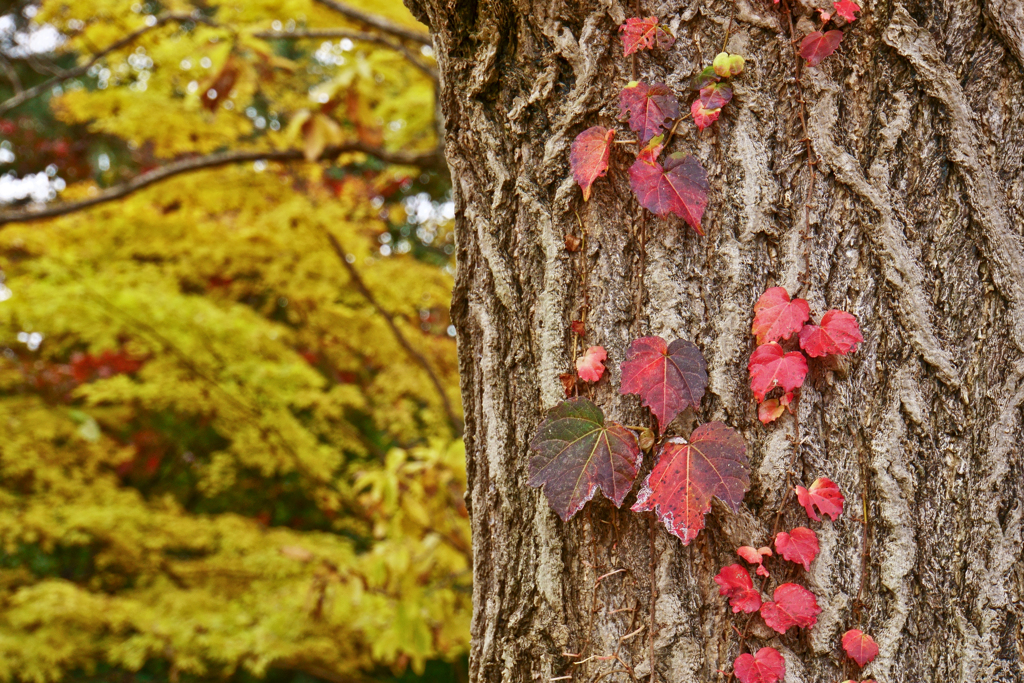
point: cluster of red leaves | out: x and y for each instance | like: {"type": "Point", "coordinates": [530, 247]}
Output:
{"type": "Point", "coordinates": [677, 185]}
{"type": "Point", "coordinates": [818, 45]}
{"type": "Point", "coordinates": [714, 85]}
{"type": "Point", "coordinates": [579, 452]}
{"type": "Point", "coordinates": [791, 604]}
{"type": "Point", "coordinates": [777, 318]}
{"type": "Point", "coordinates": [59, 379]}
{"type": "Point", "coordinates": [86, 366]}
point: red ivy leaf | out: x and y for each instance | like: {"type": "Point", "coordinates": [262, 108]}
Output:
{"type": "Point", "coordinates": [715, 95]}
{"type": "Point", "coordinates": [824, 495]}
{"type": "Point", "coordinates": [755, 556]}
{"type": "Point", "coordinates": [838, 333]}
{"type": "Point", "coordinates": [772, 409]}
{"type": "Point", "coordinates": [735, 582]}
{"type": "Point", "coordinates": [767, 666]}
{"type": "Point", "coordinates": [578, 327]}
{"type": "Point", "coordinates": [679, 489]}
{"type": "Point", "coordinates": [589, 156]}
{"type": "Point", "coordinates": [638, 34]}
{"type": "Point", "coordinates": [861, 647]}
{"type": "Point", "coordinates": [590, 366]}
{"type": "Point", "coordinates": [772, 367]}
{"type": "Point", "coordinates": [703, 117]}
{"type": "Point", "coordinates": [817, 46]}
{"type": "Point", "coordinates": [680, 187]}
{"type": "Point", "coordinates": [793, 605]}
{"type": "Point", "coordinates": [667, 377]}
{"type": "Point", "coordinates": [799, 546]}
{"type": "Point", "coordinates": [649, 108]}
{"type": "Point", "coordinates": [578, 453]}
{"type": "Point", "coordinates": [846, 8]}
{"type": "Point", "coordinates": [777, 317]}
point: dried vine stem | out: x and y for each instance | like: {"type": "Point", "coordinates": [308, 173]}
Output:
{"type": "Point", "coordinates": [654, 591]}
{"type": "Point", "coordinates": [812, 161]}
{"type": "Point", "coordinates": [865, 548]}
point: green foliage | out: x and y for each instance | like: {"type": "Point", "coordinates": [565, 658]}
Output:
{"type": "Point", "coordinates": [216, 457]}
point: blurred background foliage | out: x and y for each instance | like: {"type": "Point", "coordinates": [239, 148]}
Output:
{"type": "Point", "coordinates": [229, 413]}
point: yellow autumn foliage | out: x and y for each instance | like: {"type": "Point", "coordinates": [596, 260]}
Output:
{"type": "Point", "coordinates": [216, 454]}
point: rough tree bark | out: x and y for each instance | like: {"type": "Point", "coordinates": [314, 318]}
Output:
{"type": "Point", "coordinates": [915, 227]}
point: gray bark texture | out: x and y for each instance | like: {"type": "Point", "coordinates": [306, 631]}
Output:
{"type": "Point", "coordinates": [915, 226]}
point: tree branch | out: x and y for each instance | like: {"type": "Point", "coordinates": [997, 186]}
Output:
{"type": "Point", "coordinates": [416, 356]}
{"type": "Point", "coordinates": [351, 35]}
{"type": "Point", "coordinates": [11, 75]}
{"type": "Point", "coordinates": [432, 159]}
{"type": "Point", "coordinates": [26, 95]}
{"type": "Point", "coordinates": [376, 22]}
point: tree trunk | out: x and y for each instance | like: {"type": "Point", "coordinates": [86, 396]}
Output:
{"type": "Point", "coordinates": [914, 226]}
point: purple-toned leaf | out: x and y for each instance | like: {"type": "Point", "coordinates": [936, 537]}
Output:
{"type": "Point", "coordinates": [680, 487]}
{"type": "Point", "coordinates": [816, 46]}
{"type": "Point", "coordinates": [669, 378]}
{"type": "Point", "coordinates": [578, 453]}
{"type": "Point", "coordinates": [650, 108]}
{"type": "Point", "coordinates": [715, 95]}
{"type": "Point", "coordinates": [680, 187]}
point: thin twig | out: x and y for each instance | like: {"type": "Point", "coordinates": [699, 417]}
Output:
{"type": "Point", "coordinates": [351, 35]}
{"type": "Point", "coordinates": [36, 90]}
{"type": "Point", "coordinates": [432, 159]}
{"type": "Point", "coordinates": [379, 23]}
{"type": "Point", "coordinates": [628, 636]}
{"type": "Point", "coordinates": [453, 420]}
{"type": "Point", "coordinates": [612, 573]}
{"type": "Point", "coordinates": [654, 591]}
{"type": "Point", "coordinates": [728, 28]}
{"type": "Point", "coordinates": [811, 160]}
{"type": "Point", "coordinates": [12, 75]}
{"type": "Point", "coordinates": [865, 548]}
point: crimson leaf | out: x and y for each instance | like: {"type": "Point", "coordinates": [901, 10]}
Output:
{"type": "Point", "coordinates": [824, 495]}
{"type": "Point", "coordinates": [816, 46]}
{"type": "Point", "coordinates": [777, 317]}
{"type": "Point", "coordinates": [702, 117]}
{"type": "Point", "coordinates": [735, 582]}
{"type": "Point", "coordinates": [638, 34]}
{"type": "Point", "coordinates": [589, 156]}
{"type": "Point", "coordinates": [861, 647]}
{"type": "Point", "coordinates": [668, 377]}
{"type": "Point", "coordinates": [579, 453]}
{"type": "Point", "coordinates": [767, 666]}
{"type": "Point", "coordinates": [838, 333]}
{"type": "Point", "coordinates": [649, 108]}
{"type": "Point", "coordinates": [755, 556]}
{"type": "Point", "coordinates": [846, 9]}
{"type": "Point", "coordinates": [793, 605]}
{"type": "Point", "coordinates": [772, 367]}
{"type": "Point", "coordinates": [680, 187]}
{"type": "Point", "coordinates": [800, 546]}
{"type": "Point", "coordinates": [679, 488]}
